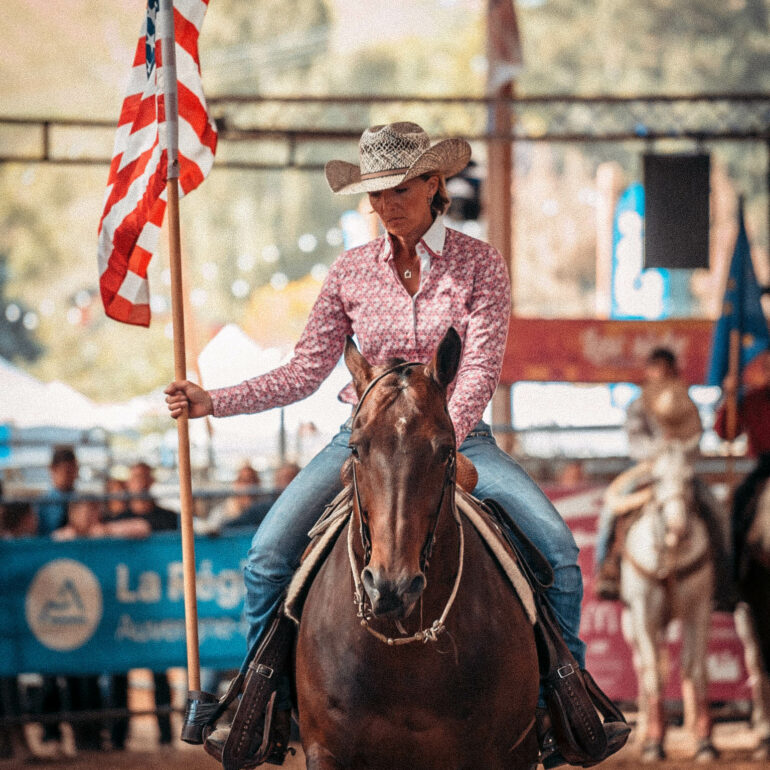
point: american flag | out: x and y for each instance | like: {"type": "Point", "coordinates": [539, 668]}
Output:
{"type": "Point", "coordinates": [135, 201]}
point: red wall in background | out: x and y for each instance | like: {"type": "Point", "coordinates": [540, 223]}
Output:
{"type": "Point", "coordinates": [585, 350]}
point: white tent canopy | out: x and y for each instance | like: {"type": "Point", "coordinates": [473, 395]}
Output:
{"type": "Point", "coordinates": [231, 357]}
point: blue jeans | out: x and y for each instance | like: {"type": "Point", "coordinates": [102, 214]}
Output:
{"type": "Point", "coordinates": [282, 536]}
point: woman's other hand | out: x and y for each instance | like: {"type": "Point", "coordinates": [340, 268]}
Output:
{"type": "Point", "coordinates": [183, 394]}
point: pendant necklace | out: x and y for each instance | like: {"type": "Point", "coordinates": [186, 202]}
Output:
{"type": "Point", "coordinates": [407, 274]}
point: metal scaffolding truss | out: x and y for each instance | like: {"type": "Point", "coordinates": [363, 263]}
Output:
{"type": "Point", "coordinates": [272, 132]}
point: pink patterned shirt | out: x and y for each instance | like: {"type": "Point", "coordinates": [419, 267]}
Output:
{"type": "Point", "coordinates": [463, 283]}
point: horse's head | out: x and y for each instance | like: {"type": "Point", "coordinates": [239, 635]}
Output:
{"type": "Point", "coordinates": [672, 474]}
{"type": "Point", "coordinates": [403, 452]}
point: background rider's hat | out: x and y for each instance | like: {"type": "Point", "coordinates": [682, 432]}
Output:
{"type": "Point", "coordinates": [395, 153]}
{"type": "Point", "coordinates": [675, 411]}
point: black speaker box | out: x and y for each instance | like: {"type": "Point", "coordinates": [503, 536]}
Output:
{"type": "Point", "coordinates": [676, 211]}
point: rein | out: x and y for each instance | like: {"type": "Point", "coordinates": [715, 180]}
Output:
{"type": "Point", "coordinates": [431, 633]}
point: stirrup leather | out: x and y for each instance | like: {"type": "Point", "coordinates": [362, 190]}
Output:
{"type": "Point", "coordinates": [248, 745]}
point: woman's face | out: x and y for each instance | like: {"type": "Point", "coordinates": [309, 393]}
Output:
{"type": "Point", "coordinates": [405, 209]}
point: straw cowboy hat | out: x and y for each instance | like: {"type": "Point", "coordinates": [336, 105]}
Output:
{"type": "Point", "coordinates": [395, 153]}
{"type": "Point", "coordinates": [675, 412]}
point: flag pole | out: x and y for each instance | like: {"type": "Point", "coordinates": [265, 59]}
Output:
{"type": "Point", "coordinates": [731, 405]}
{"type": "Point", "coordinates": [167, 72]}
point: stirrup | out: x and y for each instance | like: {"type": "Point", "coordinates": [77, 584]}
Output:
{"type": "Point", "coordinates": [204, 709]}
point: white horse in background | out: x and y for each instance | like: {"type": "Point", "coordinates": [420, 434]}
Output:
{"type": "Point", "coordinates": [667, 573]}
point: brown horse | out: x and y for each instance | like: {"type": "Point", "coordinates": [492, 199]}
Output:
{"type": "Point", "coordinates": [463, 693]}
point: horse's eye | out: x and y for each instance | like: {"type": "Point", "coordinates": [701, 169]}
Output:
{"type": "Point", "coordinates": [353, 450]}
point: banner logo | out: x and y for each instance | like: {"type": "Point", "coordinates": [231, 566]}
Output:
{"type": "Point", "coordinates": [64, 604]}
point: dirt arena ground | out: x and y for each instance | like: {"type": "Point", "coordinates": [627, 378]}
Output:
{"type": "Point", "coordinates": [734, 739]}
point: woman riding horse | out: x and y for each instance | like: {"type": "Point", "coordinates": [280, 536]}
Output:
{"type": "Point", "coordinates": [398, 294]}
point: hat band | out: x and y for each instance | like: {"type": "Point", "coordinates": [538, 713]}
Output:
{"type": "Point", "coordinates": [389, 172]}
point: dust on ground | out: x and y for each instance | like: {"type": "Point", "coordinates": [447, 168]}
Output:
{"type": "Point", "coordinates": [735, 740]}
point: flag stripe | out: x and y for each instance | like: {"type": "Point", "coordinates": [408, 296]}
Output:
{"type": "Point", "coordinates": [135, 198]}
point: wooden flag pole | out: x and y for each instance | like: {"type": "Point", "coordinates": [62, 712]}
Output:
{"type": "Point", "coordinates": [180, 358]}
{"type": "Point", "coordinates": [183, 442]}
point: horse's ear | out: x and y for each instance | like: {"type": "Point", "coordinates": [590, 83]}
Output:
{"type": "Point", "coordinates": [445, 363]}
{"type": "Point", "coordinates": [357, 365]}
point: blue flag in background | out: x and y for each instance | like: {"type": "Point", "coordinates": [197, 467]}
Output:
{"type": "Point", "coordinates": [741, 310]}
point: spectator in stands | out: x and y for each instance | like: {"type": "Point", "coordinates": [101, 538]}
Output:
{"type": "Point", "coordinates": [143, 505]}
{"type": "Point", "coordinates": [16, 520]}
{"type": "Point", "coordinates": [85, 518]}
{"type": "Point", "coordinates": [117, 511]}
{"type": "Point", "coordinates": [51, 514]}
{"type": "Point", "coordinates": [52, 511]}
{"type": "Point", "coordinates": [116, 506]}
{"type": "Point", "coordinates": [246, 485]}
{"type": "Point", "coordinates": [284, 475]}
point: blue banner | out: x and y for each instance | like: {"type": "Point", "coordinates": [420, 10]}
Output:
{"type": "Point", "coordinates": [99, 606]}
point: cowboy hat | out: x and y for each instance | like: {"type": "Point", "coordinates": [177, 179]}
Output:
{"type": "Point", "coordinates": [675, 411]}
{"type": "Point", "coordinates": [395, 153]}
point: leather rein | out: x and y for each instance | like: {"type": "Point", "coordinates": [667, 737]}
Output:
{"type": "Point", "coordinates": [432, 632]}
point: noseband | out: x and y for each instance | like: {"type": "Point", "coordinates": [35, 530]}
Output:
{"type": "Point", "coordinates": [431, 633]}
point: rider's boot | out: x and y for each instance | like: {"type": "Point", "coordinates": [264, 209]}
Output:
{"type": "Point", "coordinates": [550, 756]}
{"type": "Point", "coordinates": [279, 740]}
{"type": "Point", "coordinates": [608, 577]}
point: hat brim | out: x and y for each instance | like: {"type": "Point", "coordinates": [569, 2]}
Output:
{"type": "Point", "coordinates": [448, 157]}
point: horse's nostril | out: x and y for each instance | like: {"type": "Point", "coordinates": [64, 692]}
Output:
{"type": "Point", "coordinates": [367, 576]}
{"type": "Point", "coordinates": [417, 586]}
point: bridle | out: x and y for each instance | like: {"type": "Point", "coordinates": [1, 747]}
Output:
{"type": "Point", "coordinates": [668, 573]}
{"type": "Point", "coordinates": [448, 483]}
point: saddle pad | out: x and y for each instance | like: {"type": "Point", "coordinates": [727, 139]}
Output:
{"type": "Point", "coordinates": [314, 557]}
{"type": "Point", "coordinates": [468, 506]}
{"type": "Point", "coordinates": [337, 517]}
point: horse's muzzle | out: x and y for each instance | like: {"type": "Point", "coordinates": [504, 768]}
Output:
{"type": "Point", "coordinates": [392, 597]}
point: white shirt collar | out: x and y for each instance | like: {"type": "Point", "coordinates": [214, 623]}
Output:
{"type": "Point", "coordinates": [431, 243]}
{"type": "Point", "coordinates": [434, 237]}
